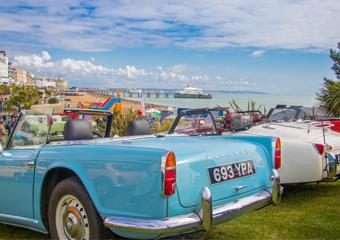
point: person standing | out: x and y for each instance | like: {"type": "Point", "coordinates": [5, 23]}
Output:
{"type": "Point", "coordinates": [2, 132]}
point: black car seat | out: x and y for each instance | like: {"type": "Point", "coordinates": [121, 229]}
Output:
{"type": "Point", "coordinates": [77, 129]}
{"type": "Point", "coordinates": [138, 127]}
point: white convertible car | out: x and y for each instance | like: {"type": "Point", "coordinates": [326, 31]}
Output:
{"type": "Point", "coordinates": [308, 155]}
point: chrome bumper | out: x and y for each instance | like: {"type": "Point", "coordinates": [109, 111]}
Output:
{"type": "Point", "coordinates": [205, 218]}
{"type": "Point", "coordinates": [332, 168]}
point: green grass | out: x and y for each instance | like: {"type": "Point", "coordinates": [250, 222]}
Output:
{"type": "Point", "coordinates": [310, 211]}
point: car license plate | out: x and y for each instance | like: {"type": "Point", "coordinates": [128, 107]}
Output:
{"type": "Point", "coordinates": [231, 171]}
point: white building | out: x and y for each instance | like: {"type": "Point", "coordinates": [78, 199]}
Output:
{"type": "Point", "coordinates": [44, 83]}
{"type": "Point", "coordinates": [61, 83]}
{"type": "Point", "coordinates": [4, 79]}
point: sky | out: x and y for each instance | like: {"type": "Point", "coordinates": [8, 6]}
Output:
{"type": "Point", "coordinates": [279, 46]}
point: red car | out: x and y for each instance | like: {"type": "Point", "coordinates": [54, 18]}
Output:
{"type": "Point", "coordinates": [336, 125]}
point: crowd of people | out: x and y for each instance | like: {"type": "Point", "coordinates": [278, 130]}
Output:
{"type": "Point", "coordinates": [7, 121]}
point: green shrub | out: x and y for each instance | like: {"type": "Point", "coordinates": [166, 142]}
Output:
{"type": "Point", "coordinates": [329, 95]}
{"type": "Point", "coordinates": [161, 127]}
{"type": "Point", "coordinates": [121, 120]}
{"type": "Point", "coordinates": [250, 107]}
{"type": "Point", "coordinates": [53, 100]}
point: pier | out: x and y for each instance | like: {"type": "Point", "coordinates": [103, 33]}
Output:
{"type": "Point", "coordinates": [135, 93]}
{"type": "Point", "coordinates": [148, 93]}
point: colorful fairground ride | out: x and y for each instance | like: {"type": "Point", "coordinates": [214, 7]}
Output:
{"type": "Point", "coordinates": [110, 104]}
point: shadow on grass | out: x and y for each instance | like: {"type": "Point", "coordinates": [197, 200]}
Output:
{"type": "Point", "coordinates": [10, 232]}
{"type": "Point", "coordinates": [307, 211]}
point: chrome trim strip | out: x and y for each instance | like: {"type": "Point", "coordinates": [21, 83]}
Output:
{"type": "Point", "coordinates": [187, 222]}
{"type": "Point", "coordinates": [207, 209]}
{"type": "Point", "coordinates": [332, 167]}
{"type": "Point", "coordinates": [163, 167]}
{"type": "Point", "coordinates": [276, 187]}
{"type": "Point", "coordinates": [207, 216]}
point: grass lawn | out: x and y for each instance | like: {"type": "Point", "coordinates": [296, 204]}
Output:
{"type": "Point", "coordinates": [309, 211]}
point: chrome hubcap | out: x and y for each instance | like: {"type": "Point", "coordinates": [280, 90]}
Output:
{"type": "Point", "coordinates": [71, 219]}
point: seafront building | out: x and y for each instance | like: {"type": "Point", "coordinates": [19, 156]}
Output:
{"type": "Point", "coordinates": [20, 76]}
{"type": "Point", "coordinates": [4, 68]}
{"type": "Point", "coordinates": [61, 83]}
{"type": "Point", "coordinates": [50, 83]}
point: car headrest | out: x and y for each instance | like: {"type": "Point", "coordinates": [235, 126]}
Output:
{"type": "Point", "coordinates": [138, 127]}
{"type": "Point", "coordinates": [77, 129]}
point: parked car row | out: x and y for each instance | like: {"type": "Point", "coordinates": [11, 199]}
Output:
{"type": "Point", "coordinates": [77, 182]}
{"type": "Point", "coordinates": [310, 149]}
{"type": "Point", "coordinates": [81, 184]}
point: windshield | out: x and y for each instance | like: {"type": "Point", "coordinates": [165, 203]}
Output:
{"type": "Point", "coordinates": [96, 122]}
{"type": "Point", "coordinates": [195, 124]}
{"type": "Point", "coordinates": [283, 114]}
{"type": "Point", "coordinates": [30, 132]}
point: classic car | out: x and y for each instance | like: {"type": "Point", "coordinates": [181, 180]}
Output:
{"type": "Point", "coordinates": [310, 149]}
{"type": "Point", "coordinates": [222, 118]}
{"type": "Point", "coordinates": [332, 122]}
{"type": "Point", "coordinates": [85, 185]}
{"type": "Point", "coordinates": [310, 152]}
{"type": "Point", "coordinates": [335, 124]}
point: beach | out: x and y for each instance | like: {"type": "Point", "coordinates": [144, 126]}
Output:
{"type": "Point", "coordinates": [89, 97]}
{"type": "Point", "coordinates": [219, 99]}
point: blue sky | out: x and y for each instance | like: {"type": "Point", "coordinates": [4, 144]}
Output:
{"type": "Point", "coordinates": [274, 46]}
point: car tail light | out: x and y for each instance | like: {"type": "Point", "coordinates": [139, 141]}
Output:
{"type": "Point", "coordinates": [277, 159]}
{"type": "Point", "coordinates": [320, 148]}
{"type": "Point", "coordinates": [169, 172]}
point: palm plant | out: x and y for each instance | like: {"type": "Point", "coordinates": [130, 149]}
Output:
{"type": "Point", "coordinates": [329, 95]}
{"type": "Point", "coordinates": [251, 106]}
{"type": "Point", "coordinates": [120, 121]}
{"type": "Point", "coordinates": [161, 127]}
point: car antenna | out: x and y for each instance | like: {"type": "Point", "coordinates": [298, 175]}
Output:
{"type": "Point", "coordinates": [323, 132]}
{"type": "Point", "coordinates": [324, 135]}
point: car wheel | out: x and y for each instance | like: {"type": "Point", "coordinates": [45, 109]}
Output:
{"type": "Point", "coordinates": [71, 213]}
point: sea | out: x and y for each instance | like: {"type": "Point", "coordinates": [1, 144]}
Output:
{"type": "Point", "coordinates": [223, 98]}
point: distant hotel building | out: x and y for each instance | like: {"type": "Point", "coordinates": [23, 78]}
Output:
{"type": "Point", "coordinates": [4, 79]}
{"type": "Point", "coordinates": [58, 83]}
{"type": "Point", "coordinates": [20, 76]}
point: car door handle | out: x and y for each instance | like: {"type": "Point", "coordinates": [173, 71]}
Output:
{"type": "Point", "coordinates": [29, 164]}
{"type": "Point", "coordinates": [238, 188]}
{"type": "Point", "coordinates": [6, 154]}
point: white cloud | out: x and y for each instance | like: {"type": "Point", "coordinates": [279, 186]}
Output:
{"type": "Point", "coordinates": [179, 68]}
{"type": "Point", "coordinates": [257, 53]}
{"type": "Point", "coordinates": [82, 70]}
{"type": "Point", "coordinates": [104, 25]}
{"type": "Point", "coordinates": [87, 73]}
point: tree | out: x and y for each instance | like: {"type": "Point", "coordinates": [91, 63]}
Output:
{"type": "Point", "coordinates": [23, 96]}
{"type": "Point", "coordinates": [329, 95]}
{"type": "Point", "coordinates": [52, 100]}
{"type": "Point", "coordinates": [4, 89]}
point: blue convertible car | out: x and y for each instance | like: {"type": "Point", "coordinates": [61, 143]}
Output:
{"type": "Point", "coordinates": [79, 183]}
